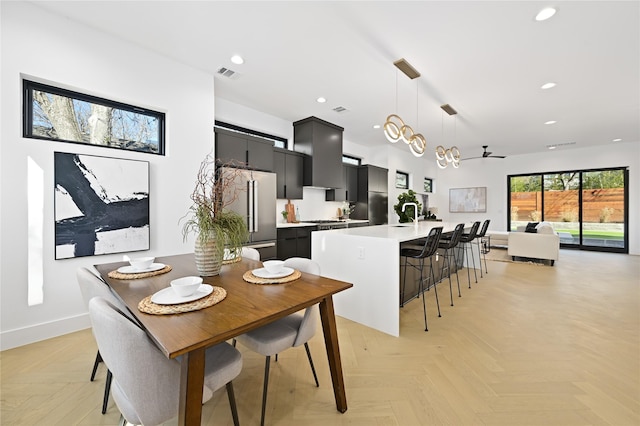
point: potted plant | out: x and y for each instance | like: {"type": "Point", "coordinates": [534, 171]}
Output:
{"type": "Point", "coordinates": [216, 227]}
{"type": "Point", "coordinates": [408, 214]}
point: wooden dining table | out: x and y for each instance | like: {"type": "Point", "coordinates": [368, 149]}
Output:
{"type": "Point", "coordinates": [246, 307]}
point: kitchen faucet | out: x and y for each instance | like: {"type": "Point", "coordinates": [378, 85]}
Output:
{"type": "Point", "coordinates": [415, 211]}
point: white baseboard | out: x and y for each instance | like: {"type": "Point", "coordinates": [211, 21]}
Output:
{"type": "Point", "coordinates": [35, 333]}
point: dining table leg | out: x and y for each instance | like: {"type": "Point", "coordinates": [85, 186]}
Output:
{"type": "Point", "coordinates": [328, 318]}
{"type": "Point", "coordinates": [191, 385]}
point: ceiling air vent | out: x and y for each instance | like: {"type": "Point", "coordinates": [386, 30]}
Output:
{"type": "Point", "coordinates": [340, 109]}
{"type": "Point", "coordinates": [226, 72]}
{"type": "Point", "coordinates": [556, 145]}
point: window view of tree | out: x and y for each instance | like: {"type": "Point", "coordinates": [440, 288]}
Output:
{"type": "Point", "coordinates": [526, 200]}
{"type": "Point", "coordinates": [428, 185]}
{"type": "Point", "coordinates": [402, 180]}
{"type": "Point", "coordinates": [62, 115]}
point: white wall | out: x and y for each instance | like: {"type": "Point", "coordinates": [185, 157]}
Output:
{"type": "Point", "coordinates": [54, 49]}
{"type": "Point", "coordinates": [232, 113]}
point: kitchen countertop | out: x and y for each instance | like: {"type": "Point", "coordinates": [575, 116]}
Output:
{"type": "Point", "coordinates": [369, 258]}
{"type": "Point", "coordinates": [294, 225]}
{"type": "Point", "coordinates": [397, 232]}
{"type": "Point", "coordinates": [302, 224]}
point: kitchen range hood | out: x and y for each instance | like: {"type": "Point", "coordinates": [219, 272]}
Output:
{"type": "Point", "coordinates": [321, 141]}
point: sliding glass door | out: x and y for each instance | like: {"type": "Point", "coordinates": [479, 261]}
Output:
{"type": "Point", "coordinates": [587, 208]}
{"type": "Point", "coordinates": [562, 205]}
{"type": "Point", "coordinates": [604, 215]}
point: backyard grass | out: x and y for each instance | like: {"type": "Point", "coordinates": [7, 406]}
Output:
{"type": "Point", "coordinates": [609, 235]}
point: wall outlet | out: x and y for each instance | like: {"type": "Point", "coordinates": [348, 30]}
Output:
{"type": "Point", "coordinates": [360, 252]}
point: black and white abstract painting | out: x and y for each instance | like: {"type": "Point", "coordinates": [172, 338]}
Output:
{"type": "Point", "coordinates": [101, 205]}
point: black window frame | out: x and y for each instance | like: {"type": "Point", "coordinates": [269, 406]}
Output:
{"type": "Point", "coordinates": [406, 180]}
{"type": "Point", "coordinates": [581, 172]}
{"type": "Point", "coordinates": [279, 142]}
{"type": "Point", "coordinates": [351, 160]}
{"type": "Point", "coordinates": [28, 86]}
{"type": "Point", "coordinates": [424, 184]}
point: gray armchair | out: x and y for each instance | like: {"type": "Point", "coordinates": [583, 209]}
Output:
{"type": "Point", "coordinates": [146, 384]}
{"type": "Point", "coordinates": [250, 253]}
{"type": "Point", "coordinates": [91, 286]}
{"type": "Point", "coordinates": [291, 331]}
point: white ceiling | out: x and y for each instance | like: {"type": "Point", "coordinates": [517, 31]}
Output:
{"type": "Point", "coordinates": [487, 59]}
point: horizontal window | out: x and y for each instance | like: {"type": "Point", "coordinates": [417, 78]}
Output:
{"type": "Point", "coordinates": [57, 114]}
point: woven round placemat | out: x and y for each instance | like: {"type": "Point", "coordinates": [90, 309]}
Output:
{"type": "Point", "coordinates": [232, 260]}
{"type": "Point", "coordinates": [147, 306]}
{"type": "Point", "coordinates": [249, 277]}
{"type": "Point", "coordinates": [120, 276]}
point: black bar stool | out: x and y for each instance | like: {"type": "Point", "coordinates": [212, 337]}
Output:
{"type": "Point", "coordinates": [466, 240]}
{"type": "Point", "coordinates": [479, 241]}
{"type": "Point", "coordinates": [428, 250]}
{"type": "Point", "coordinates": [449, 245]}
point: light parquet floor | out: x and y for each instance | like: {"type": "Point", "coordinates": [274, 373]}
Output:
{"type": "Point", "coordinates": [526, 345]}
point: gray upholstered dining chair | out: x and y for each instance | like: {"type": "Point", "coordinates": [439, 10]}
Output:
{"type": "Point", "coordinates": [250, 253]}
{"type": "Point", "coordinates": [146, 384]}
{"type": "Point", "coordinates": [92, 286]}
{"type": "Point", "coordinates": [291, 331]}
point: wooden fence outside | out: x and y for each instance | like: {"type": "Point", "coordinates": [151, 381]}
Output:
{"type": "Point", "coordinates": [598, 205]}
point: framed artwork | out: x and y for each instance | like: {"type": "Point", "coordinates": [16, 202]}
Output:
{"type": "Point", "coordinates": [101, 205]}
{"type": "Point", "coordinates": [57, 114]}
{"type": "Point", "coordinates": [468, 200]}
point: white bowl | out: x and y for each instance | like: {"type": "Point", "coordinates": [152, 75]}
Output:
{"type": "Point", "coordinates": [141, 263]}
{"type": "Point", "coordinates": [186, 286]}
{"type": "Point", "coordinates": [273, 266]}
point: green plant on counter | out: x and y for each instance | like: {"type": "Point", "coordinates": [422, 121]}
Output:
{"type": "Point", "coordinates": [408, 214]}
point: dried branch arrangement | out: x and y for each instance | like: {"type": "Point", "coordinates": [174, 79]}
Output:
{"type": "Point", "coordinates": [208, 217]}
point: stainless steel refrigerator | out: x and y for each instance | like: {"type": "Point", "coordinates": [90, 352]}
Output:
{"type": "Point", "coordinates": [257, 204]}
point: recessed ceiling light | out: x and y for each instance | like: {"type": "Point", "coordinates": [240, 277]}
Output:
{"type": "Point", "coordinates": [617, 140]}
{"type": "Point", "coordinates": [545, 14]}
{"type": "Point", "coordinates": [237, 59]}
{"type": "Point", "coordinates": [321, 100]}
{"type": "Point", "coordinates": [548, 86]}
{"type": "Point", "coordinates": [550, 122]}
{"type": "Point", "coordinates": [376, 126]}
{"type": "Point", "coordinates": [552, 147]}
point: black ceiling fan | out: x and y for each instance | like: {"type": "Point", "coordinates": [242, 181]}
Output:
{"type": "Point", "coordinates": [486, 154]}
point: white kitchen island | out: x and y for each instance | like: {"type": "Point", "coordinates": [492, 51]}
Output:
{"type": "Point", "coordinates": [369, 258]}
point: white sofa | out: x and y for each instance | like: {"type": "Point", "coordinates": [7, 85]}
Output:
{"type": "Point", "coordinates": [544, 244]}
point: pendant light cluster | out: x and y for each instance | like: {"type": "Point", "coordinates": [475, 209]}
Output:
{"type": "Point", "coordinates": [395, 128]}
{"type": "Point", "coordinates": [446, 156]}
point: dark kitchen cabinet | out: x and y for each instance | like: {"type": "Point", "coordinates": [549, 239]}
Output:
{"type": "Point", "coordinates": [349, 189]}
{"type": "Point", "coordinates": [358, 224]}
{"type": "Point", "coordinates": [372, 202]}
{"type": "Point", "coordinates": [288, 166]}
{"type": "Point", "coordinates": [255, 152]}
{"type": "Point", "coordinates": [321, 141]}
{"type": "Point", "coordinates": [372, 178]}
{"type": "Point", "coordinates": [295, 242]}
